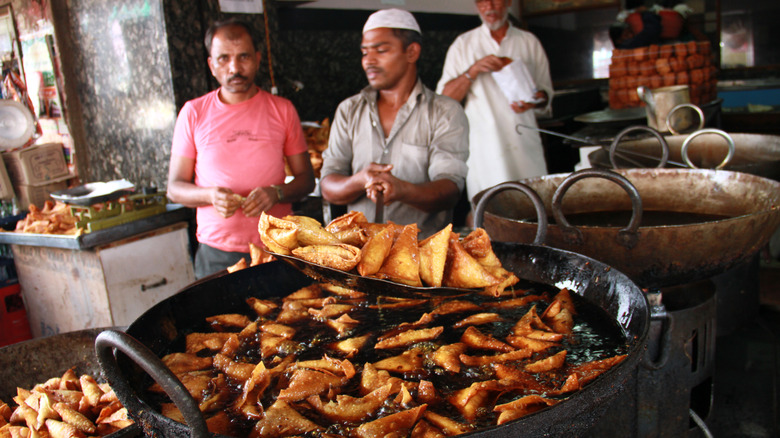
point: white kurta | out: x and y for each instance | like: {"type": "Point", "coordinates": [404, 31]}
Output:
{"type": "Point", "coordinates": [497, 152]}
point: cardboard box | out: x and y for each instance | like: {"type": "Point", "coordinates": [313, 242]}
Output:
{"type": "Point", "coordinates": [38, 194]}
{"type": "Point", "coordinates": [37, 164]}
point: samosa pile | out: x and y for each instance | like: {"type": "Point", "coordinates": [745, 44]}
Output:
{"type": "Point", "coordinates": [390, 251]}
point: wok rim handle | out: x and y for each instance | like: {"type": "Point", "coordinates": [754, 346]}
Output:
{"type": "Point", "coordinates": [541, 213]}
{"type": "Point", "coordinates": [678, 107]}
{"type": "Point", "coordinates": [687, 143]}
{"type": "Point", "coordinates": [110, 340]}
{"type": "Point", "coordinates": [664, 145]}
{"type": "Point", "coordinates": [628, 236]}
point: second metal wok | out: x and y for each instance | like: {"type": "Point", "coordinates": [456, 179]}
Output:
{"type": "Point", "coordinates": [757, 154]}
{"type": "Point", "coordinates": [163, 328]}
{"type": "Point", "coordinates": [653, 255]}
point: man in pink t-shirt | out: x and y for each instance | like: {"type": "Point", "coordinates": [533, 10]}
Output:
{"type": "Point", "coordinates": [229, 150]}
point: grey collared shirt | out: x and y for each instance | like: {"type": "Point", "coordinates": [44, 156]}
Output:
{"type": "Point", "coordinates": [428, 142]}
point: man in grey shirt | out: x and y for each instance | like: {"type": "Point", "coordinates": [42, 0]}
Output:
{"type": "Point", "coordinates": [396, 140]}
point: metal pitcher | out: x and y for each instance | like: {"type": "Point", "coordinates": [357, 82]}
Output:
{"type": "Point", "coordinates": [663, 103]}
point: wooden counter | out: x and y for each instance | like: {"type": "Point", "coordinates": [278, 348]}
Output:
{"type": "Point", "coordinates": [107, 285]}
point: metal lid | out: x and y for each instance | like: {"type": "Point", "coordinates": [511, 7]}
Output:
{"type": "Point", "coordinates": [16, 124]}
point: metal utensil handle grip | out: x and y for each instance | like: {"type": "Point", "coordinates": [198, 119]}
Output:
{"type": "Point", "coordinates": [687, 143]}
{"type": "Point", "coordinates": [627, 236]}
{"type": "Point", "coordinates": [107, 341]}
{"type": "Point", "coordinates": [664, 145]}
{"type": "Point", "coordinates": [541, 214]}
{"type": "Point", "coordinates": [679, 107]}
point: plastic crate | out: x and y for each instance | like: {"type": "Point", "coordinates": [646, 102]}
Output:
{"type": "Point", "coordinates": [14, 326]}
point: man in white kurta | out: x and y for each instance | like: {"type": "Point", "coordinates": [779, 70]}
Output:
{"type": "Point", "coordinates": [498, 152]}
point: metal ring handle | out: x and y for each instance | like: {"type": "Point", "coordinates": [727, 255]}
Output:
{"type": "Point", "coordinates": [680, 106]}
{"type": "Point", "coordinates": [664, 145]}
{"type": "Point", "coordinates": [687, 143]}
{"type": "Point", "coordinates": [107, 341]}
{"type": "Point", "coordinates": [541, 214]}
{"type": "Point", "coordinates": [628, 236]}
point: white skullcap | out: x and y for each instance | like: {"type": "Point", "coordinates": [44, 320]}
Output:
{"type": "Point", "coordinates": [393, 19]}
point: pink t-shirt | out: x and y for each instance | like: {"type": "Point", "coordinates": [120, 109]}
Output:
{"type": "Point", "coordinates": [241, 147]}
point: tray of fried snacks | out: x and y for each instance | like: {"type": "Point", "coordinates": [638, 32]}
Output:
{"type": "Point", "coordinates": [56, 226]}
{"type": "Point", "coordinates": [70, 405]}
{"type": "Point", "coordinates": [386, 259]}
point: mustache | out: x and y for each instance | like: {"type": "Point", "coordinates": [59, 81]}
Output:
{"type": "Point", "coordinates": [373, 70]}
{"type": "Point", "coordinates": [237, 76]}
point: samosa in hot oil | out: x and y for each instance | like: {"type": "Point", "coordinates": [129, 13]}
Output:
{"type": "Point", "coordinates": [433, 257]}
{"type": "Point", "coordinates": [402, 264]}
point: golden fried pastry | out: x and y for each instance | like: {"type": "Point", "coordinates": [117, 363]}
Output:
{"type": "Point", "coordinates": [311, 232]}
{"type": "Point", "coordinates": [433, 257]}
{"type": "Point", "coordinates": [463, 270]}
{"type": "Point", "coordinates": [548, 363]}
{"type": "Point", "coordinates": [402, 264]}
{"type": "Point", "coordinates": [522, 407]}
{"type": "Point", "coordinates": [339, 256]}
{"type": "Point", "coordinates": [354, 409]}
{"type": "Point", "coordinates": [375, 251]}
{"type": "Point", "coordinates": [349, 220]}
{"type": "Point", "coordinates": [239, 265]}
{"type": "Point", "coordinates": [305, 383]}
{"type": "Point", "coordinates": [282, 420]}
{"type": "Point", "coordinates": [526, 343]}
{"type": "Point", "coordinates": [510, 356]}
{"type": "Point", "coordinates": [258, 255]}
{"type": "Point", "coordinates": [410, 337]}
{"type": "Point", "coordinates": [399, 424]}
{"type": "Point", "coordinates": [407, 362]}
{"type": "Point", "coordinates": [469, 400]}
{"type": "Point", "coordinates": [372, 228]}
{"type": "Point", "coordinates": [447, 356]}
{"type": "Point", "coordinates": [475, 338]}
{"type": "Point", "coordinates": [478, 319]}
{"type": "Point", "coordinates": [446, 424]}
{"type": "Point", "coordinates": [356, 236]}
{"type": "Point", "coordinates": [277, 235]}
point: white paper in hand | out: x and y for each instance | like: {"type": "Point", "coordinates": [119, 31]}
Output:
{"type": "Point", "coordinates": [516, 82]}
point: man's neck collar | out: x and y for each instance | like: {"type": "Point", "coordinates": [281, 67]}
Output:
{"type": "Point", "coordinates": [233, 99]}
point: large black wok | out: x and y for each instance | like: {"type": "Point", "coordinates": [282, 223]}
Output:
{"type": "Point", "coordinates": [652, 255]}
{"type": "Point", "coordinates": [757, 154]}
{"type": "Point", "coordinates": [163, 328]}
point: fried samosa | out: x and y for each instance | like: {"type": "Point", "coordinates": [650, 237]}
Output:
{"type": "Point", "coordinates": [340, 256]}
{"type": "Point", "coordinates": [433, 257]}
{"type": "Point", "coordinates": [402, 264]}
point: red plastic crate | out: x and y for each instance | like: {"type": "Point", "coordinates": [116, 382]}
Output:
{"type": "Point", "coordinates": [14, 326]}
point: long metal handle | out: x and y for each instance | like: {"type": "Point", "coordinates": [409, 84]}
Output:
{"type": "Point", "coordinates": [379, 212]}
{"type": "Point", "coordinates": [557, 134]}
